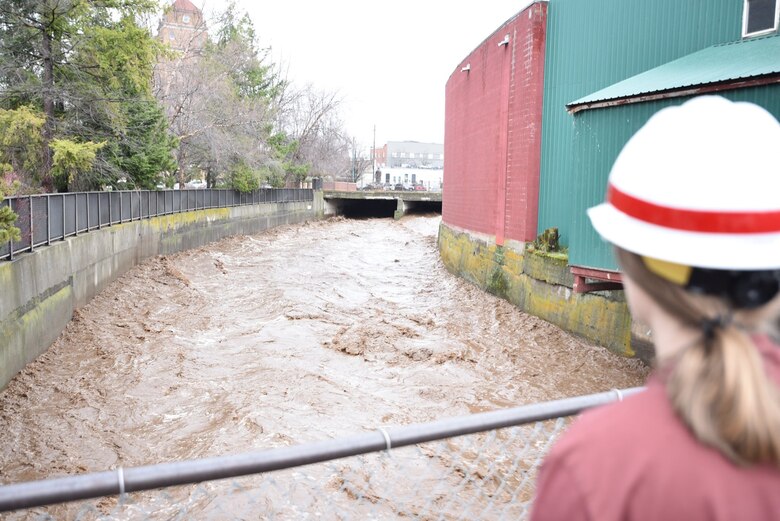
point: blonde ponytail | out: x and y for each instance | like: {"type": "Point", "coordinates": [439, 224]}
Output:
{"type": "Point", "coordinates": [722, 393]}
{"type": "Point", "coordinates": [718, 386]}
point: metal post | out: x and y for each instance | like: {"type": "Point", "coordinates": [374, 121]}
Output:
{"type": "Point", "coordinates": [63, 216]}
{"type": "Point", "coordinates": [100, 215]}
{"type": "Point", "coordinates": [120, 207]}
{"type": "Point", "coordinates": [32, 226]}
{"type": "Point", "coordinates": [76, 214]}
{"type": "Point", "coordinates": [10, 241]}
{"type": "Point", "coordinates": [87, 196]}
{"type": "Point", "coordinates": [48, 219]}
{"type": "Point", "coordinates": [110, 222]}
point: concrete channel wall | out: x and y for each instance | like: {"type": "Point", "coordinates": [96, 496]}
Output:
{"type": "Point", "coordinates": [40, 290]}
{"type": "Point", "coordinates": [541, 284]}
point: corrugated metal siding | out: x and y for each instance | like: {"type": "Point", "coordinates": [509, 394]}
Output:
{"type": "Point", "coordinates": [597, 135]}
{"type": "Point", "coordinates": [591, 45]}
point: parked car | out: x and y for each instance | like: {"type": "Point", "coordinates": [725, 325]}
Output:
{"type": "Point", "coordinates": [399, 187]}
{"type": "Point", "coordinates": [420, 188]}
{"type": "Point", "coordinates": [196, 184]}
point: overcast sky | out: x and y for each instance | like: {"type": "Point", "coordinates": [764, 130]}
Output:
{"type": "Point", "coordinates": [388, 60]}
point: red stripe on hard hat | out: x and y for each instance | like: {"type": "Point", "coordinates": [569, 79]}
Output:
{"type": "Point", "coordinates": [694, 220]}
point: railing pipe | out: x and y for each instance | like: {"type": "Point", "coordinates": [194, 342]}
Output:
{"type": "Point", "coordinates": [44, 492]}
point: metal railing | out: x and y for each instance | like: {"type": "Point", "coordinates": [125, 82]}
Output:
{"type": "Point", "coordinates": [473, 467]}
{"type": "Point", "coordinates": [45, 218]}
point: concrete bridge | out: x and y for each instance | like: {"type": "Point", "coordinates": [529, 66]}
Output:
{"type": "Point", "coordinates": [380, 202]}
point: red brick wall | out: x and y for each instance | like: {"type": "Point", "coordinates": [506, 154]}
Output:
{"type": "Point", "coordinates": [492, 132]}
{"type": "Point", "coordinates": [340, 186]}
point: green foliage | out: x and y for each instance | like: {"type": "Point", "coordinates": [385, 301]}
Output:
{"type": "Point", "coordinates": [121, 55]}
{"type": "Point", "coordinates": [272, 175]}
{"type": "Point", "coordinates": [252, 75]}
{"type": "Point", "coordinates": [73, 159]}
{"type": "Point", "coordinates": [145, 149]}
{"type": "Point", "coordinates": [548, 241]}
{"type": "Point", "coordinates": [7, 219]}
{"type": "Point", "coordinates": [283, 150]}
{"type": "Point", "coordinates": [20, 141]}
{"type": "Point", "coordinates": [87, 68]}
{"type": "Point", "coordinates": [547, 244]}
{"type": "Point", "coordinates": [243, 178]}
{"type": "Point", "coordinates": [9, 181]}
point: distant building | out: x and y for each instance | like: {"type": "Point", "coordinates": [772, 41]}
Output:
{"type": "Point", "coordinates": [183, 28]}
{"type": "Point", "coordinates": [410, 154]}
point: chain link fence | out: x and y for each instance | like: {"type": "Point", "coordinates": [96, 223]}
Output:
{"type": "Point", "coordinates": [481, 466]}
{"type": "Point", "coordinates": [45, 218]}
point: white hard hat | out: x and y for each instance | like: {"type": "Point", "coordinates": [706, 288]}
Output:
{"type": "Point", "coordinates": [698, 185]}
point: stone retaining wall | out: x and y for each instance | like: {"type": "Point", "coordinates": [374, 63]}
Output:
{"type": "Point", "coordinates": [541, 284]}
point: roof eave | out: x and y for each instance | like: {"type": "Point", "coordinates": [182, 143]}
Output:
{"type": "Point", "coordinates": [694, 90]}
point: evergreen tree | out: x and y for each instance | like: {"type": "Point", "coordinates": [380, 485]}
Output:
{"type": "Point", "coordinates": [87, 65]}
{"type": "Point", "coordinates": [144, 151]}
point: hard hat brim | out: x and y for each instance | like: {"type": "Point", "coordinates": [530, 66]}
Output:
{"type": "Point", "coordinates": [754, 251]}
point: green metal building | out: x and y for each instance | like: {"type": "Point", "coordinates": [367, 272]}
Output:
{"type": "Point", "coordinates": [611, 64]}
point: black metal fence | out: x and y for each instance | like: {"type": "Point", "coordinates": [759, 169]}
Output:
{"type": "Point", "coordinates": [45, 218]}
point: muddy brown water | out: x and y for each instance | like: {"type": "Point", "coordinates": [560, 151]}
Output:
{"type": "Point", "coordinates": [304, 333]}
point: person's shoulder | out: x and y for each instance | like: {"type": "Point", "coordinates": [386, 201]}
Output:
{"type": "Point", "coordinates": [644, 420]}
{"type": "Point", "coordinates": [592, 456]}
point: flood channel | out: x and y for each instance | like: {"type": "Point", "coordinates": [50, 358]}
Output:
{"type": "Point", "coordinates": [303, 333]}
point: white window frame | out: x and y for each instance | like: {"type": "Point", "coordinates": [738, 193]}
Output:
{"type": "Point", "coordinates": [745, 8]}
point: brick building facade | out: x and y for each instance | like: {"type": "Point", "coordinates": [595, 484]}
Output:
{"type": "Point", "coordinates": [492, 140]}
{"type": "Point", "coordinates": [183, 28]}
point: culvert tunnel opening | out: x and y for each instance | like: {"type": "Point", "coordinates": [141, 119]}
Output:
{"type": "Point", "coordinates": [422, 207]}
{"type": "Point", "coordinates": [358, 208]}
{"type": "Point", "coordinates": [382, 208]}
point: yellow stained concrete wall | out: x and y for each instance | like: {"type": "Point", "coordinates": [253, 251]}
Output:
{"type": "Point", "coordinates": [541, 285]}
{"type": "Point", "coordinates": [41, 289]}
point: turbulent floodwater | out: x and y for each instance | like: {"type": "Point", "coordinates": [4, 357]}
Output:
{"type": "Point", "coordinates": [304, 333]}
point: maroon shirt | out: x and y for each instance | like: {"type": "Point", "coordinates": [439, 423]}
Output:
{"type": "Point", "coordinates": [636, 460]}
